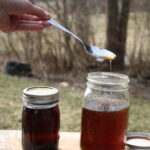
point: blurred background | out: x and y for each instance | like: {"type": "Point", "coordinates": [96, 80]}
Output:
{"type": "Point", "coordinates": [51, 57]}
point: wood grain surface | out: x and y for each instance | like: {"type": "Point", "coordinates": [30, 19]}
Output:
{"type": "Point", "coordinates": [11, 140]}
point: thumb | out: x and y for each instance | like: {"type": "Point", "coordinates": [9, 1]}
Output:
{"type": "Point", "coordinates": [37, 11]}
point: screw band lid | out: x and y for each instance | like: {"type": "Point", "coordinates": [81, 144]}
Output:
{"type": "Point", "coordinates": [41, 95]}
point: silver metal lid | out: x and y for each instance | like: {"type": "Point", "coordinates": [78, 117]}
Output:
{"type": "Point", "coordinates": [138, 141]}
{"type": "Point", "coordinates": [40, 95]}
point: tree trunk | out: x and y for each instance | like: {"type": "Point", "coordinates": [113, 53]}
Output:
{"type": "Point", "coordinates": [117, 21]}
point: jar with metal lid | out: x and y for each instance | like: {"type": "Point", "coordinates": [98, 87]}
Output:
{"type": "Point", "coordinates": [105, 112]}
{"type": "Point", "coordinates": [138, 141]}
{"type": "Point", "coordinates": [40, 118]}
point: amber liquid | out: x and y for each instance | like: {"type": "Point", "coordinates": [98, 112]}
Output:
{"type": "Point", "coordinates": [110, 65]}
{"type": "Point", "coordinates": [40, 128]}
{"type": "Point", "coordinates": [104, 126]}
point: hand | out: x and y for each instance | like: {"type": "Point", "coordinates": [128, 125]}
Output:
{"type": "Point", "coordinates": [21, 15]}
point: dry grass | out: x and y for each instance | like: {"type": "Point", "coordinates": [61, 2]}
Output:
{"type": "Point", "coordinates": [70, 106]}
{"type": "Point", "coordinates": [11, 103]}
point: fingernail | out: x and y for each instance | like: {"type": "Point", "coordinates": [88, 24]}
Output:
{"type": "Point", "coordinates": [48, 15]}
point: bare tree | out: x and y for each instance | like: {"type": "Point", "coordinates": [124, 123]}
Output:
{"type": "Point", "coordinates": [118, 12]}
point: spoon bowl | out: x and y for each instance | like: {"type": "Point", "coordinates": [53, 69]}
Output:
{"type": "Point", "coordinates": [100, 52]}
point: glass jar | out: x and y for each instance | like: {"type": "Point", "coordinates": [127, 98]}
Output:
{"type": "Point", "coordinates": [138, 141]}
{"type": "Point", "coordinates": [40, 119]}
{"type": "Point", "coordinates": [105, 112]}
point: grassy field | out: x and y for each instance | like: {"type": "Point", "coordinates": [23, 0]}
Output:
{"type": "Point", "coordinates": [70, 106]}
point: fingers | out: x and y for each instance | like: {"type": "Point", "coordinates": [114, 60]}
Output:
{"type": "Point", "coordinates": [37, 11]}
{"type": "Point", "coordinates": [20, 7]}
{"type": "Point", "coordinates": [29, 27]}
{"type": "Point", "coordinates": [29, 17]}
{"type": "Point", "coordinates": [43, 23]}
{"type": "Point", "coordinates": [25, 25]}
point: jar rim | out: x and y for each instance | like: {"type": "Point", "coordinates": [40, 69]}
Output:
{"type": "Point", "coordinates": [108, 78]}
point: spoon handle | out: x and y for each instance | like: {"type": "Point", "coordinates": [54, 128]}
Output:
{"type": "Point", "coordinates": [56, 24]}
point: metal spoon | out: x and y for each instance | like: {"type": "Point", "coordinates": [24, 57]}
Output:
{"type": "Point", "coordinates": [95, 51]}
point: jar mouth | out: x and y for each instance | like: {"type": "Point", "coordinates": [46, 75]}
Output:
{"type": "Point", "coordinates": [108, 78]}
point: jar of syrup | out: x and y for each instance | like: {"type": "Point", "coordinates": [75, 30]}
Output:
{"type": "Point", "coordinates": [105, 112]}
{"type": "Point", "coordinates": [40, 118]}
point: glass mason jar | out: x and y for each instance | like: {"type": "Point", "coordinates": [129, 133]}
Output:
{"type": "Point", "coordinates": [105, 112]}
{"type": "Point", "coordinates": [40, 119]}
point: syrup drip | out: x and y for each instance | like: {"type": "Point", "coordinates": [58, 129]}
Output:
{"type": "Point", "coordinates": [110, 65]}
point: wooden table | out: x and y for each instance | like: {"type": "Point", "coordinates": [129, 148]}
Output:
{"type": "Point", "coordinates": [11, 140]}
